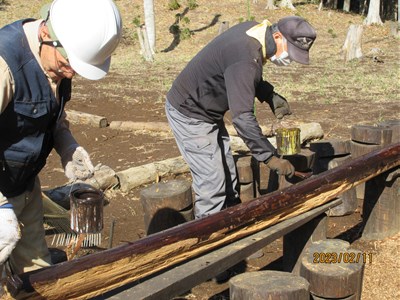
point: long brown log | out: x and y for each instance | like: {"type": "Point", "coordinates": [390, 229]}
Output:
{"type": "Point", "coordinates": [97, 273]}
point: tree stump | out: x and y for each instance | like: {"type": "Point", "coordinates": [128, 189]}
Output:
{"type": "Point", "coordinates": [330, 148]}
{"type": "Point", "coordinates": [272, 285]}
{"type": "Point", "coordinates": [367, 138]}
{"type": "Point", "coordinates": [381, 209]}
{"type": "Point", "coordinates": [352, 45]}
{"type": "Point", "coordinates": [394, 125]}
{"type": "Point", "coordinates": [369, 134]}
{"type": "Point", "coordinates": [166, 204]}
{"type": "Point", "coordinates": [224, 26]}
{"type": "Point", "coordinates": [333, 270]}
{"type": "Point", "coordinates": [349, 198]}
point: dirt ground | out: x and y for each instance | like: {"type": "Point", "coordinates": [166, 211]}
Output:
{"type": "Point", "coordinates": [329, 91]}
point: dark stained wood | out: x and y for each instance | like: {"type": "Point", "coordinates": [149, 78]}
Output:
{"type": "Point", "coordinates": [357, 150]}
{"type": "Point", "coordinates": [296, 242]}
{"type": "Point", "coordinates": [349, 197]}
{"type": "Point", "coordinates": [271, 285]}
{"type": "Point", "coordinates": [369, 134]}
{"type": "Point", "coordinates": [330, 148]}
{"type": "Point", "coordinates": [333, 270]}
{"type": "Point", "coordinates": [94, 274]}
{"type": "Point", "coordinates": [247, 192]}
{"type": "Point", "coordinates": [381, 209]}
{"type": "Point", "coordinates": [179, 279]}
{"type": "Point", "coordinates": [394, 125]}
{"type": "Point", "coordinates": [302, 161]}
{"type": "Point", "coordinates": [163, 203]}
{"type": "Point", "coordinates": [244, 169]}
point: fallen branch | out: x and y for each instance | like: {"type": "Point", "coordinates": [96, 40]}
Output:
{"type": "Point", "coordinates": [97, 273]}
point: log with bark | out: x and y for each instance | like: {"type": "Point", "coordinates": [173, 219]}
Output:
{"type": "Point", "coordinates": [78, 117]}
{"type": "Point", "coordinates": [97, 273]}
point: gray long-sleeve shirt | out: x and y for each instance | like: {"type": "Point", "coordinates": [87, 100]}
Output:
{"type": "Point", "coordinates": [226, 75]}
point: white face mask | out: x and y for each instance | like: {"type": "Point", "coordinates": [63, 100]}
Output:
{"type": "Point", "coordinates": [283, 59]}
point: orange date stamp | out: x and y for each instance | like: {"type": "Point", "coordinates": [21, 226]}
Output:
{"type": "Point", "coordinates": [341, 257]}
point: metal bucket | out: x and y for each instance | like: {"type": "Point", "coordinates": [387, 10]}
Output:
{"type": "Point", "coordinates": [87, 210]}
{"type": "Point", "coordinates": [288, 141]}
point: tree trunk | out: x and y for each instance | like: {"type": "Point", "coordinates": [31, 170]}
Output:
{"type": "Point", "coordinates": [144, 43]}
{"type": "Point", "coordinates": [94, 274]}
{"type": "Point", "coordinates": [373, 16]}
{"type": "Point", "coordinates": [270, 5]}
{"type": "Point", "coordinates": [346, 5]}
{"type": "Point", "coordinates": [287, 4]}
{"type": "Point", "coordinates": [150, 24]}
{"type": "Point", "coordinates": [352, 45]}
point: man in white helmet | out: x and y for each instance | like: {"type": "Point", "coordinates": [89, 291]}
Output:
{"type": "Point", "coordinates": [38, 58]}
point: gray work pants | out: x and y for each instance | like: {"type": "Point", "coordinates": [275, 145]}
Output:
{"type": "Point", "coordinates": [205, 147]}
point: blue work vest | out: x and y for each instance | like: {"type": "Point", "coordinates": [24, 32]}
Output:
{"type": "Point", "coordinates": [27, 123]}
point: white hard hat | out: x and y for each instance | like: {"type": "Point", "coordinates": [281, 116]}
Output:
{"type": "Point", "coordinates": [89, 31]}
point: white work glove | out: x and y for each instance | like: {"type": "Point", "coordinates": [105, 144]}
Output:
{"type": "Point", "coordinates": [77, 163]}
{"type": "Point", "coordinates": [9, 232]}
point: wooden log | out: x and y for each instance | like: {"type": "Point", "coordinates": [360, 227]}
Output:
{"type": "Point", "coordinates": [330, 148]}
{"type": "Point", "coordinates": [247, 191]}
{"type": "Point", "coordinates": [163, 202]}
{"type": "Point", "coordinates": [179, 279]}
{"type": "Point", "coordinates": [136, 176]}
{"type": "Point", "coordinates": [138, 126]}
{"type": "Point", "coordinates": [308, 131]}
{"type": "Point", "coordinates": [381, 209]}
{"type": "Point", "coordinates": [349, 198]}
{"type": "Point", "coordinates": [357, 150]}
{"type": "Point", "coordinates": [97, 273]}
{"type": "Point", "coordinates": [271, 285]}
{"type": "Point", "coordinates": [394, 125]}
{"type": "Point", "coordinates": [302, 161]}
{"type": "Point", "coordinates": [244, 168]}
{"type": "Point", "coordinates": [296, 242]}
{"type": "Point", "coordinates": [78, 117]}
{"type": "Point", "coordinates": [369, 134]}
{"type": "Point", "coordinates": [333, 271]}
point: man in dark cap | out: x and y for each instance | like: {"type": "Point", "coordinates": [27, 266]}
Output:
{"type": "Point", "coordinates": [227, 75]}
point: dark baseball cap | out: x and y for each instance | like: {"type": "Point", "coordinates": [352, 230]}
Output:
{"type": "Point", "coordinates": [300, 36]}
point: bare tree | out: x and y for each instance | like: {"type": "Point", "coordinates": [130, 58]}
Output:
{"type": "Point", "coordinates": [373, 16]}
{"type": "Point", "coordinates": [150, 23]}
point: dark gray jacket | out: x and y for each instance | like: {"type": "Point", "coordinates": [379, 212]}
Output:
{"type": "Point", "coordinates": [226, 75]}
